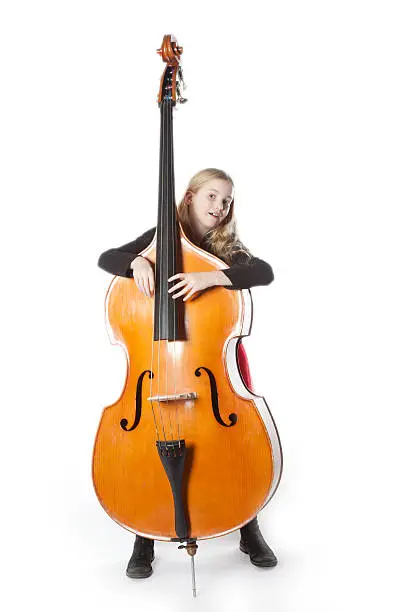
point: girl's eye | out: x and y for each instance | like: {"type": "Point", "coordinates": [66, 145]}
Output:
{"type": "Point", "coordinates": [224, 204]}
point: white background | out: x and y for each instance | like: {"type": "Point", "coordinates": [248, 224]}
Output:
{"type": "Point", "coordinates": [305, 105]}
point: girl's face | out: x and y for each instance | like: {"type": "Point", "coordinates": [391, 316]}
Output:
{"type": "Point", "coordinates": [210, 205]}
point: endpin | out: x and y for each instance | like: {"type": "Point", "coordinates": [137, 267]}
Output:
{"type": "Point", "coordinates": [191, 548]}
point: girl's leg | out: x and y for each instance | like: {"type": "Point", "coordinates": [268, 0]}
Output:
{"type": "Point", "coordinates": [252, 541]}
{"type": "Point", "coordinates": [140, 563]}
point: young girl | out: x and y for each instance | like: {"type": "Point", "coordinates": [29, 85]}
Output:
{"type": "Point", "coordinates": [206, 213]}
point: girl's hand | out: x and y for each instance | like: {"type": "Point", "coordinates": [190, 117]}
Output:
{"type": "Point", "coordinates": [193, 282]}
{"type": "Point", "coordinates": [143, 275]}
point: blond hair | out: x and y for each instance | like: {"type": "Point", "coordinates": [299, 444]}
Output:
{"type": "Point", "coordinates": [223, 240]}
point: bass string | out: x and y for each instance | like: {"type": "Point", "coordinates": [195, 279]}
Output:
{"type": "Point", "coordinates": [152, 369]}
{"type": "Point", "coordinates": [163, 267]}
{"type": "Point", "coordinates": [177, 244]}
{"type": "Point", "coordinates": [170, 239]}
{"type": "Point", "coordinates": [167, 190]}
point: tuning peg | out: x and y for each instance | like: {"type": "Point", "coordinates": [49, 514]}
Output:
{"type": "Point", "coordinates": [180, 98]}
{"type": "Point", "coordinates": [181, 75]}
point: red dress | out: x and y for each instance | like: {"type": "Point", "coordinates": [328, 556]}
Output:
{"type": "Point", "coordinates": [244, 366]}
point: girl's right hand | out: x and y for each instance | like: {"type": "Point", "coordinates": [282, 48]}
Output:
{"type": "Point", "coordinates": [143, 275]}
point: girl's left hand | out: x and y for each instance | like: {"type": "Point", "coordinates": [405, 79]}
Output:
{"type": "Point", "coordinates": [191, 282]}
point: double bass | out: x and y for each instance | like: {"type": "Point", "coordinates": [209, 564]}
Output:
{"type": "Point", "coordinates": [188, 452]}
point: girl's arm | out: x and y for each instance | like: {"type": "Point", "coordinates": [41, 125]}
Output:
{"type": "Point", "coordinates": [244, 273]}
{"type": "Point", "coordinates": [240, 275]}
{"type": "Point", "coordinates": [117, 261]}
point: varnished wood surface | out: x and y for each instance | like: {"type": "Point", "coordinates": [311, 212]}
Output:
{"type": "Point", "coordinates": [229, 470]}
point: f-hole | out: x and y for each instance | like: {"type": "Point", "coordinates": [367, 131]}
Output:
{"type": "Point", "coordinates": [138, 403]}
{"type": "Point", "coordinates": [214, 399]}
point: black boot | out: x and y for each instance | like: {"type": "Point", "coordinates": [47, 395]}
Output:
{"type": "Point", "coordinates": [140, 563]}
{"type": "Point", "coordinates": [253, 544]}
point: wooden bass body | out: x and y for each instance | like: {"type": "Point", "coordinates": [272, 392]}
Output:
{"type": "Point", "coordinates": [233, 458]}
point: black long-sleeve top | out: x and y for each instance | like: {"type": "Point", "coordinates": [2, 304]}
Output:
{"type": "Point", "coordinates": [243, 274]}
